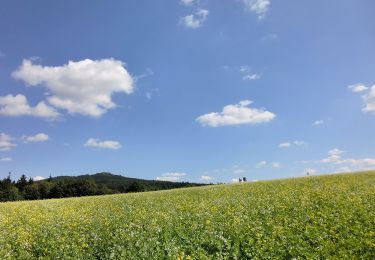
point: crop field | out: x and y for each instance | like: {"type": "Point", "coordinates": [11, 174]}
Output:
{"type": "Point", "coordinates": [312, 217]}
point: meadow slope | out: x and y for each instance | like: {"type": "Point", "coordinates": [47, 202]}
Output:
{"type": "Point", "coordinates": [313, 217]}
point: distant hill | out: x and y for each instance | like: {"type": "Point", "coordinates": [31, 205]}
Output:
{"type": "Point", "coordinates": [119, 183]}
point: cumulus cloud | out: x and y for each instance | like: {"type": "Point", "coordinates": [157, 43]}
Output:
{"type": "Point", "coordinates": [195, 20]}
{"type": "Point", "coordinates": [18, 106]}
{"type": "Point", "coordinates": [363, 163]}
{"type": "Point", "coordinates": [84, 87]}
{"type": "Point", "coordinates": [38, 178]}
{"type": "Point", "coordinates": [6, 159]}
{"type": "Point", "coordinates": [369, 100]}
{"type": "Point", "coordinates": [318, 122]}
{"type": "Point", "coordinates": [335, 157]}
{"type": "Point", "coordinates": [236, 114]}
{"type": "Point", "coordinates": [259, 7]}
{"type": "Point", "coordinates": [41, 137]}
{"type": "Point", "coordinates": [171, 176]}
{"type": "Point", "coordinates": [6, 142]}
{"type": "Point", "coordinates": [358, 87]}
{"type": "Point", "coordinates": [206, 178]}
{"type": "Point", "coordinates": [94, 142]}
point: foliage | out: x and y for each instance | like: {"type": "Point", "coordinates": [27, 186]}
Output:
{"type": "Point", "coordinates": [77, 186]}
{"type": "Point", "coordinates": [327, 217]}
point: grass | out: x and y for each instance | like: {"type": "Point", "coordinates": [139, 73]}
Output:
{"type": "Point", "coordinates": [314, 217]}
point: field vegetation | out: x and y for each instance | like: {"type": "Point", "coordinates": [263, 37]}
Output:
{"type": "Point", "coordinates": [312, 217]}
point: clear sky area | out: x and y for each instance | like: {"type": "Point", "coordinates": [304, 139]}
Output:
{"type": "Point", "coordinates": [187, 90]}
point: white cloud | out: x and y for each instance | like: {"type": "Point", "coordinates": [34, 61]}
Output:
{"type": "Point", "coordinates": [251, 77]}
{"type": "Point", "coordinates": [245, 70]}
{"type": "Point", "coordinates": [38, 178]}
{"type": "Point", "coordinates": [285, 145]}
{"type": "Point", "coordinates": [206, 178]}
{"type": "Point", "coordinates": [94, 142]}
{"type": "Point", "coordinates": [309, 171]}
{"type": "Point", "coordinates": [152, 92]}
{"type": "Point", "coordinates": [261, 164]}
{"type": "Point", "coordinates": [187, 2]}
{"type": "Point", "coordinates": [171, 176]}
{"type": "Point", "coordinates": [259, 7]}
{"type": "Point", "coordinates": [343, 169]}
{"type": "Point", "coordinates": [238, 171]}
{"type": "Point", "coordinates": [270, 37]}
{"type": "Point", "coordinates": [6, 143]}
{"type": "Point", "coordinates": [358, 87]}
{"type": "Point", "coordinates": [196, 20]}
{"type": "Point", "coordinates": [18, 106]}
{"type": "Point", "coordinates": [369, 100]}
{"type": "Point", "coordinates": [360, 163]}
{"type": "Point", "coordinates": [41, 137]}
{"type": "Point", "coordinates": [236, 114]}
{"type": "Point", "coordinates": [334, 156]}
{"type": "Point", "coordinates": [276, 165]}
{"type": "Point", "coordinates": [298, 143]}
{"type": "Point", "coordinates": [6, 159]}
{"type": "Point", "coordinates": [318, 122]}
{"type": "Point", "coordinates": [84, 87]}
{"type": "Point", "coordinates": [289, 144]}
{"type": "Point", "coordinates": [149, 72]}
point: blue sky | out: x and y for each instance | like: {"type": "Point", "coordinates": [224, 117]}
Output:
{"type": "Point", "coordinates": [187, 90]}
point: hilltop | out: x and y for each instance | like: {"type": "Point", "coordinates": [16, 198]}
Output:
{"type": "Point", "coordinates": [82, 185]}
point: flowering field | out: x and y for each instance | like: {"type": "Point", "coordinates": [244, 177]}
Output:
{"type": "Point", "coordinates": [311, 217]}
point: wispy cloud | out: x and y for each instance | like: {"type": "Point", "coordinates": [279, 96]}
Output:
{"type": "Point", "coordinates": [187, 2]}
{"type": "Point", "coordinates": [358, 87]}
{"type": "Point", "coordinates": [41, 137]}
{"type": "Point", "coordinates": [293, 143]}
{"type": "Point", "coordinates": [368, 97]}
{"type": "Point", "coordinates": [206, 178]}
{"type": "Point", "coordinates": [318, 122]}
{"type": "Point", "coordinates": [94, 142]}
{"type": "Point", "coordinates": [259, 7]}
{"type": "Point", "coordinates": [247, 73]}
{"type": "Point", "coordinates": [195, 20]}
{"type": "Point", "coordinates": [6, 142]}
{"type": "Point", "coordinates": [171, 176]}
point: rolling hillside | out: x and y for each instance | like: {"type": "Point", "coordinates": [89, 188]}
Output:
{"type": "Point", "coordinates": [312, 217]}
{"type": "Point", "coordinates": [121, 183]}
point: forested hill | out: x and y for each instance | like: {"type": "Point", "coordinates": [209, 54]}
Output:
{"type": "Point", "coordinates": [122, 184]}
{"type": "Point", "coordinates": [77, 186]}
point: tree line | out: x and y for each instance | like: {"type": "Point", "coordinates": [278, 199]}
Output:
{"type": "Point", "coordinates": [28, 189]}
